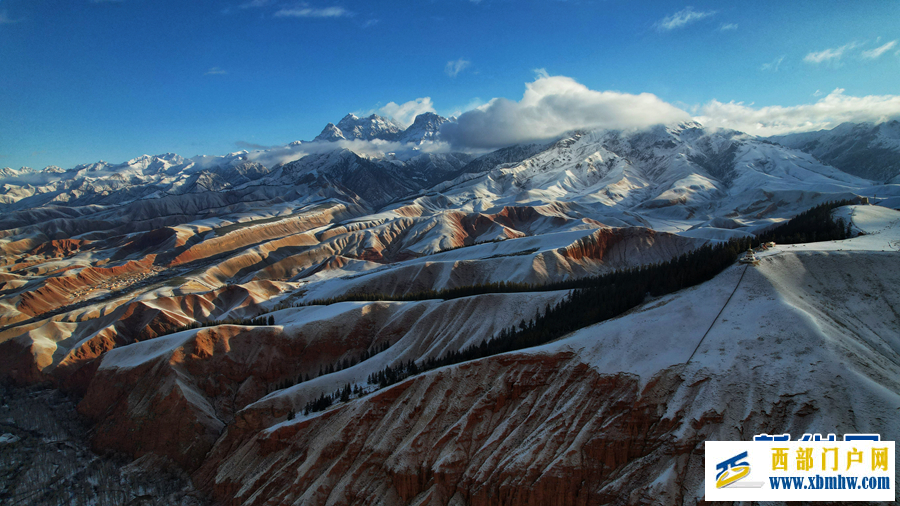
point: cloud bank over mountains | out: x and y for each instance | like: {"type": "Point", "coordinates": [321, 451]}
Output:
{"type": "Point", "coordinates": [404, 114]}
{"type": "Point", "coordinates": [829, 112]}
{"type": "Point", "coordinates": [552, 106]}
{"type": "Point", "coordinates": [555, 105]}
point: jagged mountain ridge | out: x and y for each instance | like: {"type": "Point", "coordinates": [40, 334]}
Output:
{"type": "Point", "coordinates": [368, 181]}
{"type": "Point", "coordinates": [683, 150]}
{"type": "Point", "coordinates": [682, 172]}
{"type": "Point", "coordinates": [866, 150]}
{"type": "Point", "coordinates": [368, 128]}
{"type": "Point", "coordinates": [144, 177]}
{"type": "Point", "coordinates": [150, 177]}
{"type": "Point", "coordinates": [425, 127]}
{"type": "Point", "coordinates": [687, 161]}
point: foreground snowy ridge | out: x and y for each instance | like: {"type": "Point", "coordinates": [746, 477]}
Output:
{"type": "Point", "coordinates": [801, 347]}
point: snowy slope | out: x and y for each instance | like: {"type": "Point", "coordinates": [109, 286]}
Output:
{"type": "Point", "coordinates": [613, 413]}
{"type": "Point", "coordinates": [864, 149]}
{"type": "Point", "coordinates": [816, 290]}
{"type": "Point", "coordinates": [671, 177]}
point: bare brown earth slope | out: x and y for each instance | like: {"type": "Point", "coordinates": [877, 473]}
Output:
{"type": "Point", "coordinates": [613, 413]}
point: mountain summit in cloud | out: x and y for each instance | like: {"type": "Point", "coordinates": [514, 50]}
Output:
{"type": "Point", "coordinates": [552, 106]}
{"type": "Point", "coordinates": [426, 127]}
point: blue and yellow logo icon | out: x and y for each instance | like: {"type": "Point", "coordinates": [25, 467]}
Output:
{"type": "Point", "coordinates": [732, 470]}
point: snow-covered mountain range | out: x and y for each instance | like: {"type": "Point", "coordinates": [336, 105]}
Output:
{"type": "Point", "coordinates": [109, 271]}
{"type": "Point", "coordinates": [866, 150]}
{"type": "Point", "coordinates": [634, 171]}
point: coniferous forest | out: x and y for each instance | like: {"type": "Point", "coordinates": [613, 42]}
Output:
{"type": "Point", "coordinates": [598, 298]}
{"type": "Point", "coordinates": [591, 300]}
{"type": "Point", "coordinates": [814, 225]}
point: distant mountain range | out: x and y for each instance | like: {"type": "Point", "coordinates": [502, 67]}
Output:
{"type": "Point", "coordinates": [867, 150]}
{"type": "Point", "coordinates": [687, 161]}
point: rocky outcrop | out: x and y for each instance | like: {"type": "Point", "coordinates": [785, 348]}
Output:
{"type": "Point", "coordinates": [622, 247]}
{"type": "Point", "coordinates": [67, 350]}
{"type": "Point", "coordinates": [506, 430]}
{"type": "Point", "coordinates": [251, 234]}
{"type": "Point", "coordinates": [59, 248]}
{"type": "Point", "coordinates": [177, 403]}
{"type": "Point", "coordinates": [22, 360]}
{"type": "Point", "coordinates": [139, 394]}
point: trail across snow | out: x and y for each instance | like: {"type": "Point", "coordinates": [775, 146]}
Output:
{"type": "Point", "coordinates": [819, 319]}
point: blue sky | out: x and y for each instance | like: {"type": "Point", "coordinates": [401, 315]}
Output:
{"type": "Point", "coordinates": [85, 80]}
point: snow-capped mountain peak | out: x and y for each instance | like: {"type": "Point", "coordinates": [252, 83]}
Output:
{"type": "Point", "coordinates": [11, 172]}
{"type": "Point", "coordinates": [330, 133]}
{"type": "Point", "coordinates": [426, 127]}
{"type": "Point", "coordinates": [354, 127]}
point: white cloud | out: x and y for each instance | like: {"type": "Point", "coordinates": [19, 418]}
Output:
{"type": "Point", "coordinates": [253, 4]}
{"type": "Point", "coordinates": [728, 26]}
{"type": "Point", "coordinates": [878, 51]}
{"type": "Point", "coordinates": [681, 19]}
{"type": "Point", "coordinates": [379, 148]}
{"type": "Point", "coordinates": [406, 113]}
{"type": "Point", "coordinates": [830, 55]}
{"type": "Point", "coordinates": [828, 112]}
{"type": "Point", "coordinates": [310, 12]}
{"type": "Point", "coordinates": [214, 71]}
{"type": "Point", "coordinates": [772, 65]}
{"type": "Point", "coordinates": [552, 106]}
{"type": "Point", "coordinates": [453, 68]}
